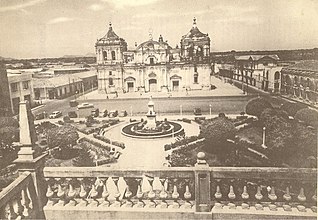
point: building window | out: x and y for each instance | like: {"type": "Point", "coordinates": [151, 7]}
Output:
{"type": "Point", "coordinates": [195, 69]}
{"type": "Point", "coordinates": [25, 84]}
{"type": "Point", "coordinates": [111, 82]}
{"type": "Point", "coordinates": [276, 77]}
{"type": "Point", "coordinates": [110, 73]}
{"type": "Point", "coordinates": [14, 87]}
{"type": "Point", "coordinates": [151, 61]}
{"type": "Point", "coordinates": [113, 55]}
{"type": "Point", "coordinates": [195, 78]}
{"type": "Point", "coordinates": [105, 55]}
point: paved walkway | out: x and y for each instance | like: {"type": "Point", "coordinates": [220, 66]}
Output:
{"type": "Point", "coordinates": [145, 153]}
{"type": "Point", "coordinates": [222, 89]}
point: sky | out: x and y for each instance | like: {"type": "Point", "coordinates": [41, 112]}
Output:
{"type": "Point", "coordinates": [53, 28]}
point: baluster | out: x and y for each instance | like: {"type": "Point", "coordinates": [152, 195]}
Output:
{"type": "Point", "coordinates": [19, 207]}
{"type": "Point", "coordinates": [273, 197]}
{"type": "Point", "coordinates": [71, 193]}
{"type": "Point", "coordinates": [187, 195]}
{"type": "Point", "coordinates": [49, 193]}
{"type": "Point", "coordinates": [60, 193]}
{"type": "Point", "coordinates": [105, 193]}
{"type": "Point", "coordinates": [218, 195]}
{"type": "Point", "coordinates": [12, 213]}
{"type": "Point", "coordinates": [245, 196]}
{"type": "Point", "coordinates": [117, 194]}
{"type": "Point", "coordinates": [259, 197]}
{"type": "Point", "coordinates": [128, 194]}
{"type": "Point", "coordinates": [302, 198]}
{"type": "Point", "coordinates": [314, 197]}
{"type": "Point", "coordinates": [93, 194]}
{"type": "Point", "coordinates": [82, 193]}
{"type": "Point", "coordinates": [163, 194]}
{"type": "Point", "coordinates": [287, 197]}
{"type": "Point", "coordinates": [231, 196]}
{"type": "Point", "coordinates": [140, 203]}
{"type": "Point", "coordinates": [26, 202]}
{"type": "Point", "coordinates": [151, 193]}
{"type": "Point", "coordinates": [175, 196]}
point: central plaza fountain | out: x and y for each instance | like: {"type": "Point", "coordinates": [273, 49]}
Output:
{"type": "Point", "coordinates": [151, 127]}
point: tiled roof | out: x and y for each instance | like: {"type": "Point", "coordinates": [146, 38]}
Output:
{"type": "Point", "coordinates": [256, 57]}
{"type": "Point", "coordinates": [306, 65]}
{"type": "Point", "coordinates": [55, 81]}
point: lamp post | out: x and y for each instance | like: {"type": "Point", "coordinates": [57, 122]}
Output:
{"type": "Point", "coordinates": [210, 109]}
{"type": "Point", "coordinates": [263, 144]}
{"type": "Point", "coordinates": [180, 110]}
{"type": "Point", "coordinates": [96, 157]}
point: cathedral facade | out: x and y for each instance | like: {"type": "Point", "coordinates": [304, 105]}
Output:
{"type": "Point", "coordinates": [153, 65]}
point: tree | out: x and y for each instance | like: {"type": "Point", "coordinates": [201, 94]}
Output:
{"type": "Point", "coordinates": [9, 132]}
{"type": "Point", "coordinates": [308, 116]}
{"type": "Point", "coordinates": [63, 137]}
{"type": "Point", "coordinates": [84, 159]}
{"type": "Point", "coordinates": [292, 108]}
{"type": "Point", "coordinates": [256, 106]}
{"type": "Point", "coordinates": [269, 117]}
{"type": "Point", "coordinates": [216, 132]}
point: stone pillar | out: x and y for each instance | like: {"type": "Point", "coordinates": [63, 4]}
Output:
{"type": "Point", "coordinates": [202, 184]}
{"type": "Point", "coordinates": [28, 160]}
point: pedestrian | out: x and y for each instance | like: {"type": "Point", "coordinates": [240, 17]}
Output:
{"type": "Point", "coordinates": [116, 94]}
{"type": "Point", "coordinates": [186, 91]}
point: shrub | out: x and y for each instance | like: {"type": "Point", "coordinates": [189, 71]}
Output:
{"type": "Point", "coordinates": [84, 159]}
{"type": "Point", "coordinates": [66, 119]}
{"type": "Point", "coordinates": [292, 108]}
{"type": "Point", "coordinates": [256, 106]}
{"type": "Point", "coordinates": [308, 116]}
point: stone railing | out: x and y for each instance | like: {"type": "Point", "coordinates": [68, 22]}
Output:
{"type": "Point", "coordinates": [19, 200]}
{"type": "Point", "coordinates": [190, 192]}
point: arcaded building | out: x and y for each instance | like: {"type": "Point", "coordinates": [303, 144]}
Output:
{"type": "Point", "coordinates": [153, 65]}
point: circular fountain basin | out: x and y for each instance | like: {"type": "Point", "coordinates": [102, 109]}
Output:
{"type": "Point", "coordinates": [131, 131]}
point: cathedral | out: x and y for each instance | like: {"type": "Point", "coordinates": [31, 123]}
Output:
{"type": "Point", "coordinates": [154, 65]}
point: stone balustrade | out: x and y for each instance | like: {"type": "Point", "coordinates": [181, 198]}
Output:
{"type": "Point", "coordinates": [18, 200]}
{"type": "Point", "coordinates": [189, 191]}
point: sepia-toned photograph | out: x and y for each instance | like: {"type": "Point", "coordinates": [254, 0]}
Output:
{"type": "Point", "coordinates": [158, 109]}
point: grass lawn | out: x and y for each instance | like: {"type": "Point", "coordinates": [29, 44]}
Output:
{"type": "Point", "coordinates": [253, 135]}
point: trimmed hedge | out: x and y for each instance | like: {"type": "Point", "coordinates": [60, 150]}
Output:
{"type": "Point", "coordinates": [97, 144]}
{"type": "Point", "coordinates": [184, 141]}
{"type": "Point", "coordinates": [108, 141]}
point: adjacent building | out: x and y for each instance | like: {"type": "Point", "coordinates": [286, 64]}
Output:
{"type": "Point", "coordinates": [21, 88]}
{"type": "Point", "coordinates": [301, 81]}
{"type": "Point", "coordinates": [261, 71]}
{"type": "Point", "coordinates": [153, 65]}
{"type": "Point", "coordinates": [64, 85]}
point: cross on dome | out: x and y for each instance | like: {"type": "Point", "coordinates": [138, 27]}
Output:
{"type": "Point", "coordinates": [194, 22]}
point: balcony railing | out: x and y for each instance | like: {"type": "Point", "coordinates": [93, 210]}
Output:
{"type": "Point", "coordinates": [19, 199]}
{"type": "Point", "coordinates": [98, 192]}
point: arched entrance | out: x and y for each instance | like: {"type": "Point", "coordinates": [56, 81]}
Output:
{"type": "Point", "coordinates": [152, 85]}
{"type": "Point", "coordinates": [130, 84]}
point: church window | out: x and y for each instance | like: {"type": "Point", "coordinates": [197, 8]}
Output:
{"type": "Point", "coordinates": [152, 61]}
{"type": "Point", "coordinates": [111, 82]}
{"type": "Point", "coordinates": [105, 55]}
{"type": "Point", "coordinates": [113, 55]}
{"type": "Point", "coordinates": [195, 78]}
{"type": "Point", "coordinates": [110, 73]}
{"type": "Point", "coordinates": [195, 69]}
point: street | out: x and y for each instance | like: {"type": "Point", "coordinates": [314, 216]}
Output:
{"type": "Point", "coordinates": [228, 105]}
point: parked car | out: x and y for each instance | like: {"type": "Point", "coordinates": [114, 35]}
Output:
{"type": "Point", "coordinates": [123, 113]}
{"type": "Point", "coordinates": [197, 111]}
{"type": "Point", "coordinates": [72, 114]}
{"type": "Point", "coordinates": [40, 116]}
{"type": "Point", "coordinates": [95, 112]}
{"type": "Point", "coordinates": [85, 105]}
{"type": "Point", "coordinates": [104, 113]}
{"type": "Point", "coordinates": [55, 114]}
{"type": "Point", "coordinates": [113, 113]}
